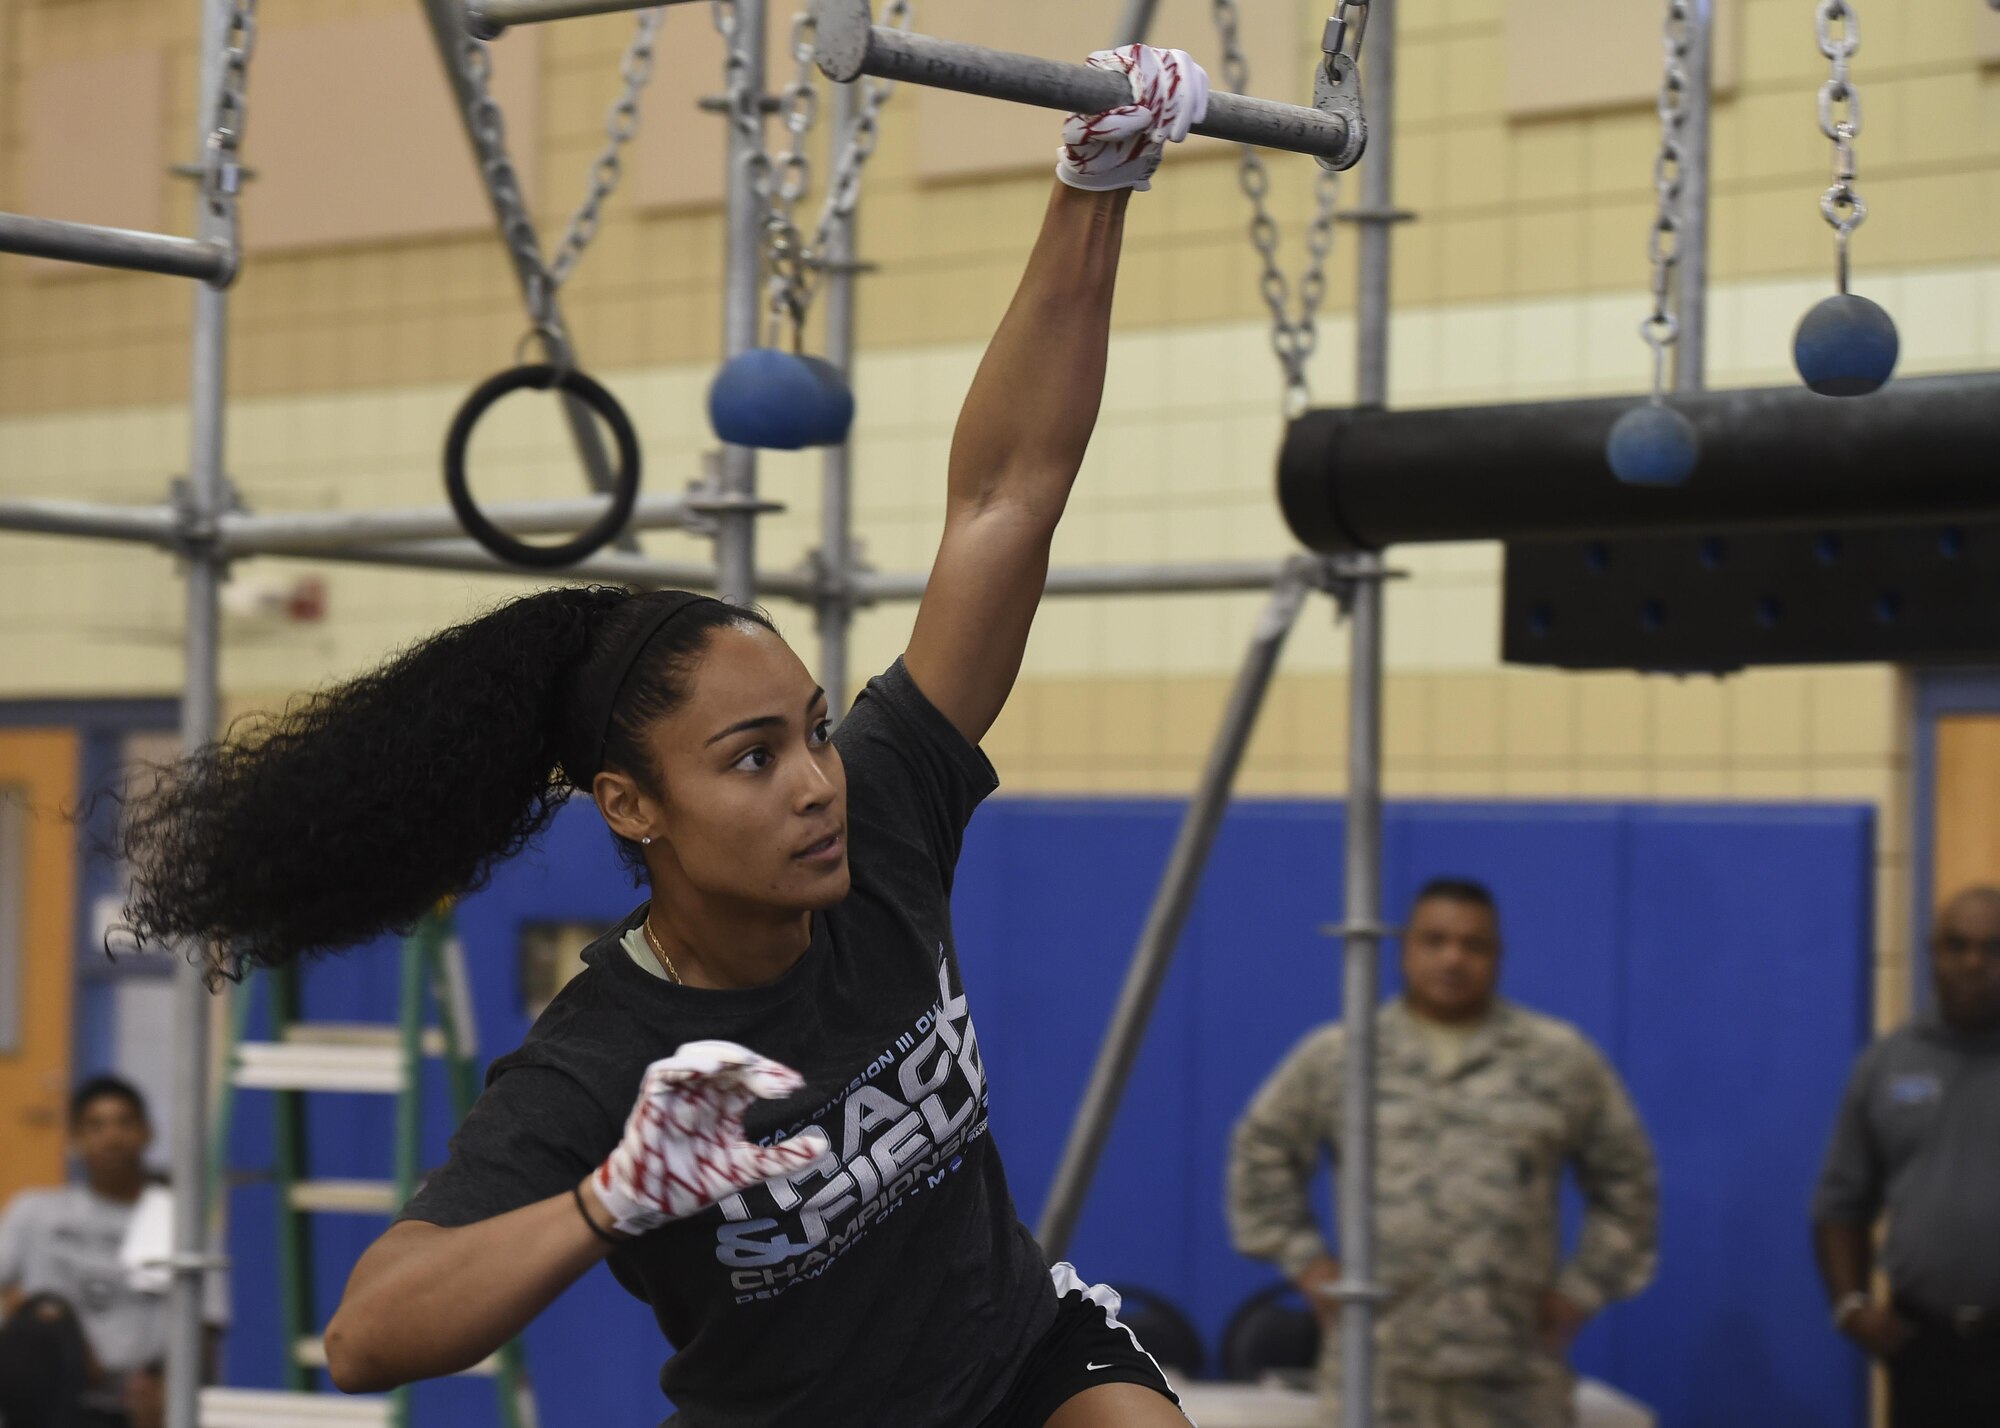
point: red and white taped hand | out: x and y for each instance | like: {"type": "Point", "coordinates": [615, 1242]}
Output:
{"type": "Point", "coordinates": [684, 1148]}
{"type": "Point", "coordinates": [1121, 147]}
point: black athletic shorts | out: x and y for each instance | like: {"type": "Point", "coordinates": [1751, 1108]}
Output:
{"type": "Point", "coordinates": [1085, 1346]}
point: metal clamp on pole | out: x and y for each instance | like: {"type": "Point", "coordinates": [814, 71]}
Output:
{"type": "Point", "coordinates": [851, 45]}
{"type": "Point", "coordinates": [196, 1259]}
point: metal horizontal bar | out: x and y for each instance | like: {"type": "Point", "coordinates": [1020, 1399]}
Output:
{"type": "Point", "coordinates": [155, 524]}
{"type": "Point", "coordinates": [307, 532]}
{"type": "Point", "coordinates": [116, 248]}
{"type": "Point", "coordinates": [614, 567]}
{"type": "Point", "coordinates": [159, 525]}
{"type": "Point", "coordinates": [489, 17]}
{"type": "Point", "coordinates": [346, 537]}
{"type": "Point", "coordinates": [1102, 580]}
{"type": "Point", "coordinates": [850, 45]}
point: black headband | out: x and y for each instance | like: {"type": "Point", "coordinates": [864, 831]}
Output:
{"type": "Point", "coordinates": [605, 680]}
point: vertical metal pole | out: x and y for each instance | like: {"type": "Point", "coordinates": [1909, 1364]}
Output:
{"type": "Point", "coordinates": [1358, 993]}
{"type": "Point", "coordinates": [1363, 940]}
{"type": "Point", "coordinates": [836, 520]}
{"type": "Point", "coordinates": [200, 700]}
{"type": "Point", "coordinates": [736, 538]}
{"type": "Point", "coordinates": [1691, 295]}
{"type": "Point", "coordinates": [1134, 24]}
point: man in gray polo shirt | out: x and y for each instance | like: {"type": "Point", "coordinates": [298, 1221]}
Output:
{"type": "Point", "coordinates": [80, 1344]}
{"type": "Point", "coordinates": [1919, 1138]}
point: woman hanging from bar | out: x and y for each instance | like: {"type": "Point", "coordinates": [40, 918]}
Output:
{"type": "Point", "coordinates": [804, 1192]}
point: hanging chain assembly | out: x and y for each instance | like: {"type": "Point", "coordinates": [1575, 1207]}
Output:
{"type": "Point", "coordinates": [1840, 120]}
{"type": "Point", "coordinates": [222, 155]}
{"type": "Point", "coordinates": [489, 131]}
{"type": "Point", "coordinates": [787, 181]}
{"type": "Point", "coordinates": [782, 182]}
{"type": "Point", "coordinates": [843, 189]}
{"type": "Point", "coordinates": [1662, 329]}
{"type": "Point", "coordinates": [621, 126]}
{"type": "Point", "coordinates": [1293, 339]}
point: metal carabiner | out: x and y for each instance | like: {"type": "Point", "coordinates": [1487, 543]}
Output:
{"type": "Point", "coordinates": [1334, 40]}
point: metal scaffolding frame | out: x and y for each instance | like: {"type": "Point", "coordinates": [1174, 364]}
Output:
{"type": "Point", "coordinates": [201, 525]}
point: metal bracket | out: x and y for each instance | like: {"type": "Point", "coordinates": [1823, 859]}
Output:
{"type": "Point", "coordinates": [714, 503]}
{"type": "Point", "coordinates": [721, 104]}
{"type": "Point", "coordinates": [1337, 92]}
{"type": "Point", "coordinates": [1349, 1292]}
{"type": "Point", "coordinates": [1345, 930]}
{"type": "Point", "coordinates": [1351, 569]}
{"type": "Point", "coordinates": [194, 538]}
{"type": "Point", "coordinates": [1374, 215]}
{"type": "Point", "coordinates": [1315, 572]}
{"type": "Point", "coordinates": [195, 1260]}
{"type": "Point", "coordinates": [850, 267]}
{"type": "Point", "coordinates": [244, 173]}
{"type": "Point", "coordinates": [826, 589]}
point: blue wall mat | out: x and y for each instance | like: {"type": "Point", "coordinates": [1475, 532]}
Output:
{"type": "Point", "coordinates": [1718, 954]}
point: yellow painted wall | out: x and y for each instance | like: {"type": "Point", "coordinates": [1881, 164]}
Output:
{"type": "Point", "coordinates": [1523, 279]}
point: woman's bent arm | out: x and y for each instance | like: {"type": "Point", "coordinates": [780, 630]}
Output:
{"type": "Point", "coordinates": [426, 1301]}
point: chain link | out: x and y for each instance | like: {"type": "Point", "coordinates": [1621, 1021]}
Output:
{"type": "Point", "coordinates": [503, 181]}
{"type": "Point", "coordinates": [621, 126]}
{"type": "Point", "coordinates": [222, 167]}
{"type": "Point", "coordinates": [783, 181]}
{"type": "Point", "coordinates": [843, 188]}
{"type": "Point", "coordinates": [790, 179]}
{"type": "Point", "coordinates": [1293, 339]}
{"type": "Point", "coordinates": [1839, 30]}
{"type": "Point", "coordinates": [1661, 329]}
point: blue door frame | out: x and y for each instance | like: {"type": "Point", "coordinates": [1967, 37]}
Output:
{"type": "Point", "coordinates": [1940, 694]}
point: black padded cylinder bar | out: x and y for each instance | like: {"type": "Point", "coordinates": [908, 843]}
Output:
{"type": "Point", "coordinates": [1922, 449]}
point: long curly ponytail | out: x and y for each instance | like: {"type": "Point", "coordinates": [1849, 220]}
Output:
{"type": "Point", "coordinates": [358, 808]}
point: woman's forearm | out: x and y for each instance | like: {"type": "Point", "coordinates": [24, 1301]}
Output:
{"type": "Point", "coordinates": [426, 1301]}
{"type": "Point", "coordinates": [1028, 417]}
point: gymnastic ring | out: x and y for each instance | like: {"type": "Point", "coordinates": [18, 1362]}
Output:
{"type": "Point", "coordinates": [625, 481]}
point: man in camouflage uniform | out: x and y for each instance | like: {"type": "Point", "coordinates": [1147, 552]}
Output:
{"type": "Point", "coordinates": [1480, 1105]}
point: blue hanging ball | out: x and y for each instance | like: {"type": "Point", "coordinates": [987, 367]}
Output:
{"type": "Point", "coordinates": [834, 412]}
{"type": "Point", "coordinates": [1653, 445]}
{"type": "Point", "coordinates": [1846, 347]}
{"type": "Point", "coordinates": [767, 399]}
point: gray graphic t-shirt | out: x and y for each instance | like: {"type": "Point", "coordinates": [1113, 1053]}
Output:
{"type": "Point", "coordinates": [65, 1242]}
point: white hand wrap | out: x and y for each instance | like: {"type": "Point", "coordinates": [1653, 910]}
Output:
{"type": "Point", "coordinates": [1121, 147]}
{"type": "Point", "coordinates": [684, 1149]}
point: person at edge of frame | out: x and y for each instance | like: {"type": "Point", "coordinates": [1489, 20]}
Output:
{"type": "Point", "coordinates": [1481, 1106]}
{"type": "Point", "coordinates": [1918, 1139]}
{"type": "Point", "coordinates": [805, 1192]}
{"type": "Point", "coordinates": [81, 1345]}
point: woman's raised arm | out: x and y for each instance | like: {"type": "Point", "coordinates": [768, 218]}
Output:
{"type": "Point", "coordinates": [1028, 417]}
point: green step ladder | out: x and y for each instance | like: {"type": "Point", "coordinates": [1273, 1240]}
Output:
{"type": "Point", "coordinates": [308, 1057]}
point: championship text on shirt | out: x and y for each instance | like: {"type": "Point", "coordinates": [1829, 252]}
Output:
{"type": "Point", "coordinates": [889, 1147]}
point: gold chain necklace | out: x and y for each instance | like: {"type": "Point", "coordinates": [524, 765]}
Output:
{"type": "Point", "coordinates": [653, 941]}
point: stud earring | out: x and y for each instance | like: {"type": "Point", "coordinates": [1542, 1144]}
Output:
{"type": "Point", "coordinates": [646, 841]}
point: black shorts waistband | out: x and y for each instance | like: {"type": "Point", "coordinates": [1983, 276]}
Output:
{"type": "Point", "coordinates": [1974, 1324]}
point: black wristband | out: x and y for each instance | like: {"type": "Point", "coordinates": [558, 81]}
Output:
{"type": "Point", "coordinates": [576, 1194]}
